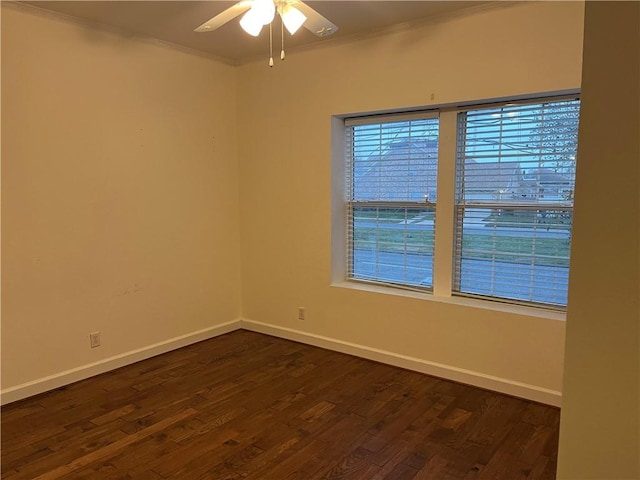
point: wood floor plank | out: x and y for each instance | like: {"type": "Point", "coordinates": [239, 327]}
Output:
{"type": "Point", "coordinates": [247, 406]}
{"type": "Point", "coordinates": [112, 448]}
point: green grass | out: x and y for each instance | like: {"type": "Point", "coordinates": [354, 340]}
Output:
{"type": "Point", "coordinates": [384, 215]}
{"type": "Point", "coordinates": [549, 251]}
{"type": "Point", "coordinates": [394, 240]}
{"type": "Point", "coordinates": [553, 220]}
{"type": "Point", "coordinates": [507, 248]}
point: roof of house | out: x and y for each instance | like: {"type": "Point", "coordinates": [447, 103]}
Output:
{"type": "Point", "coordinates": [491, 176]}
{"type": "Point", "coordinates": [407, 171]}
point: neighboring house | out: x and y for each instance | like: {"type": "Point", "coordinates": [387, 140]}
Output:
{"type": "Point", "coordinates": [544, 184]}
{"type": "Point", "coordinates": [509, 182]}
{"type": "Point", "coordinates": [492, 182]}
{"type": "Point", "coordinates": [384, 177]}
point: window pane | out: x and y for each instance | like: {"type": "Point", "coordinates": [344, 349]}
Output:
{"type": "Point", "coordinates": [515, 183]}
{"type": "Point", "coordinates": [520, 153]}
{"type": "Point", "coordinates": [393, 245]}
{"type": "Point", "coordinates": [516, 254]}
{"type": "Point", "coordinates": [392, 171]}
{"type": "Point", "coordinates": [395, 161]}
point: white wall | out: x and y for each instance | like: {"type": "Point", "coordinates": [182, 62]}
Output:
{"type": "Point", "coordinates": [286, 195]}
{"type": "Point", "coordinates": [119, 198]}
{"type": "Point", "coordinates": [600, 421]}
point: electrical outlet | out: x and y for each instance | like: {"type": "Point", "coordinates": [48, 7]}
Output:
{"type": "Point", "coordinates": [300, 313]}
{"type": "Point", "coordinates": [94, 339]}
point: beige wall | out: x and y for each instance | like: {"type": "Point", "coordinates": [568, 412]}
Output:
{"type": "Point", "coordinates": [285, 169]}
{"type": "Point", "coordinates": [600, 424]}
{"type": "Point", "coordinates": [120, 190]}
{"type": "Point", "coordinates": [119, 195]}
{"type": "Point", "coordinates": [120, 204]}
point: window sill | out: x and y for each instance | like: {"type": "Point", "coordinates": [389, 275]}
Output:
{"type": "Point", "coordinates": [529, 311]}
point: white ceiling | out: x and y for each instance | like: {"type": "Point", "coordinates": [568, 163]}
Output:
{"type": "Point", "coordinates": [174, 22]}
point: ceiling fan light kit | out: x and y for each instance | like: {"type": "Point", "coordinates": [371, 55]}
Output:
{"type": "Point", "coordinates": [261, 13]}
{"type": "Point", "coordinates": [292, 18]}
{"type": "Point", "coordinates": [251, 23]}
{"type": "Point", "coordinates": [258, 13]}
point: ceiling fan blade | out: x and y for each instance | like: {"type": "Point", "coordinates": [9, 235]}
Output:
{"type": "Point", "coordinates": [316, 23]}
{"type": "Point", "coordinates": [225, 16]}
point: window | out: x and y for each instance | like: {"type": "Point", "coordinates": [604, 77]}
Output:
{"type": "Point", "coordinates": [514, 201]}
{"type": "Point", "coordinates": [391, 191]}
{"type": "Point", "coordinates": [508, 201]}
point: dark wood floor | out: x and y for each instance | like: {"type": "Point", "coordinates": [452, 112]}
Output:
{"type": "Point", "coordinates": [250, 406]}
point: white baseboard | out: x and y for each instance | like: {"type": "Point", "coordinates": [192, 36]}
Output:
{"type": "Point", "coordinates": [51, 382]}
{"type": "Point", "coordinates": [469, 377]}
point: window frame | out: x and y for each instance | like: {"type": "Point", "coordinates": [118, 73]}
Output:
{"type": "Point", "coordinates": [462, 204]}
{"type": "Point", "coordinates": [350, 123]}
{"type": "Point", "coordinates": [444, 251]}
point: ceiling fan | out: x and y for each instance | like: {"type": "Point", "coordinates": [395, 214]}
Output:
{"type": "Point", "coordinates": [258, 13]}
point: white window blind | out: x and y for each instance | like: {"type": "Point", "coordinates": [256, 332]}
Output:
{"type": "Point", "coordinates": [515, 177]}
{"type": "Point", "coordinates": [391, 179]}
